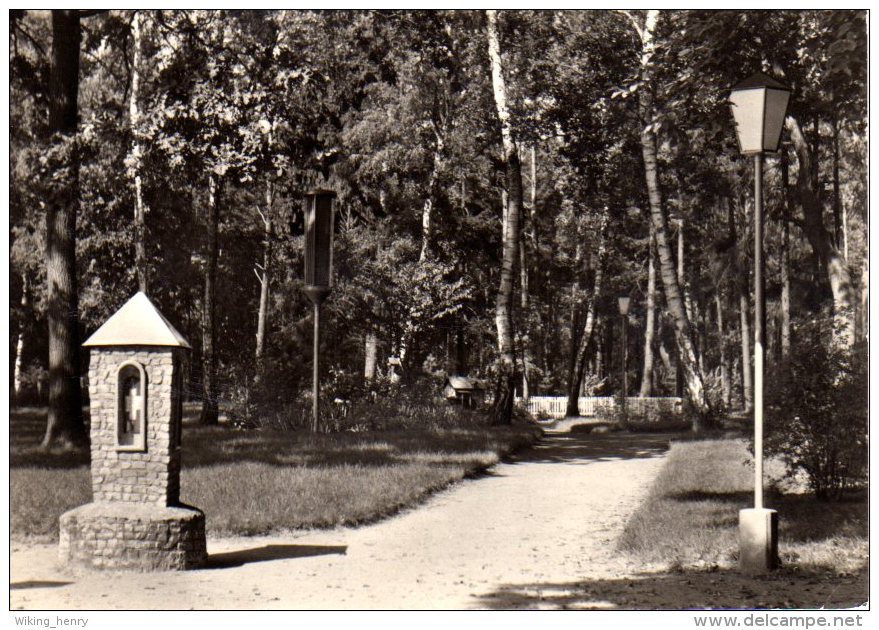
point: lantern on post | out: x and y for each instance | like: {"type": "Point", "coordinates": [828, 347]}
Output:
{"type": "Point", "coordinates": [319, 222]}
{"type": "Point", "coordinates": [623, 303]}
{"type": "Point", "coordinates": [759, 106]}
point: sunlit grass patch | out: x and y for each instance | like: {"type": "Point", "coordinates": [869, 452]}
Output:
{"type": "Point", "coordinates": [261, 481]}
{"type": "Point", "coordinates": [252, 498]}
{"type": "Point", "coordinates": [690, 518]}
{"type": "Point", "coordinates": [478, 458]}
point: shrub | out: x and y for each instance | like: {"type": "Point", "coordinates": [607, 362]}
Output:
{"type": "Point", "coordinates": [714, 392]}
{"type": "Point", "coordinates": [349, 404]}
{"type": "Point", "coordinates": [816, 410]}
{"type": "Point", "coordinates": [642, 414]}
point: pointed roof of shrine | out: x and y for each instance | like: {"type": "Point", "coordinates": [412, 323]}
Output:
{"type": "Point", "coordinates": [137, 323]}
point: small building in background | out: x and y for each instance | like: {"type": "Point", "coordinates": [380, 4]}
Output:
{"type": "Point", "coordinates": [464, 390]}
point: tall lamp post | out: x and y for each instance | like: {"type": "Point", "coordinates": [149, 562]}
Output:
{"type": "Point", "coordinates": [759, 105]}
{"type": "Point", "coordinates": [319, 214]}
{"type": "Point", "coordinates": [623, 303]}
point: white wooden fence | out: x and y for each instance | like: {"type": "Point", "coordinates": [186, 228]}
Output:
{"type": "Point", "coordinates": [590, 406]}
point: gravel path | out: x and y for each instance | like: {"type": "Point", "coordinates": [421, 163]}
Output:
{"type": "Point", "coordinates": [549, 517]}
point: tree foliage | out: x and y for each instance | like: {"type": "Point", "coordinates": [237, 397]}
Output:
{"type": "Point", "coordinates": [817, 422]}
{"type": "Point", "coordinates": [396, 111]}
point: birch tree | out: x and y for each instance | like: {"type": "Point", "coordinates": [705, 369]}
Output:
{"type": "Point", "coordinates": [645, 29]}
{"type": "Point", "coordinates": [502, 408]}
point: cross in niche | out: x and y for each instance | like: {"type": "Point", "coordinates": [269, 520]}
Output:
{"type": "Point", "coordinates": [133, 406]}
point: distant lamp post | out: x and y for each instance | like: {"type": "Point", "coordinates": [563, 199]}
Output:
{"type": "Point", "coordinates": [319, 215]}
{"type": "Point", "coordinates": [624, 313]}
{"type": "Point", "coordinates": [759, 105]}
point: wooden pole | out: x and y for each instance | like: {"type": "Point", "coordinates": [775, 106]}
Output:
{"type": "Point", "coordinates": [625, 369]}
{"type": "Point", "coordinates": [315, 387]}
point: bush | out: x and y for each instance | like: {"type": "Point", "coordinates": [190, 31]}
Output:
{"type": "Point", "coordinates": [816, 410]}
{"type": "Point", "coordinates": [349, 404]}
{"type": "Point", "coordinates": [642, 414]}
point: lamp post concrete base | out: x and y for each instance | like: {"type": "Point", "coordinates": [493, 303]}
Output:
{"type": "Point", "coordinates": [758, 540]}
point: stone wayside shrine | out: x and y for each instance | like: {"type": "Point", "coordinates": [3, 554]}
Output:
{"type": "Point", "coordinates": [136, 520]}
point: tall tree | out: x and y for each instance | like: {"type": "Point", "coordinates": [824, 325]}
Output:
{"type": "Point", "coordinates": [524, 262]}
{"type": "Point", "coordinates": [674, 297]}
{"type": "Point", "coordinates": [263, 273]}
{"type": "Point", "coordinates": [210, 403]}
{"type": "Point", "coordinates": [650, 319]}
{"type": "Point", "coordinates": [820, 238]}
{"type": "Point", "coordinates": [582, 338]}
{"type": "Point", "coordinates": [65, 424]}
{"type": "Point", "coordinates": [502, 407]}
{"type": "Point", "coordinates": [135, 161]}
{"type": "Point", "coordinates": [821, 55]}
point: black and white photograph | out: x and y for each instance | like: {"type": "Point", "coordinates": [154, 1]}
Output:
{"type": "Point", "coordinates": [438, 309]}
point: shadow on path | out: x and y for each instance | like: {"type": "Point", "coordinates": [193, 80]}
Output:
{"type": "Point", "coordinates": [20, 586]}
{"type": "Point", "coordinates": [268, 553]}
{"type": "Point", "coordinates": [688, 590]}
{"type": "Point", "coordinates": [587, 448]}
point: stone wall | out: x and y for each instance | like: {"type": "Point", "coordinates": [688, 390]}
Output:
{"type": "Point", "coordinates": [125, 536]}
{"type": "Point", "coordinates": [150, 476]}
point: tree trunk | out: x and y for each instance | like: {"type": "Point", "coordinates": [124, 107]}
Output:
{"type": "Point", "coordinates": [837, 205]}
{"type": "Point", "coordinates": [665, 358]}
{"type": "Point", "coordinates": [725, 382]}
{"type": "Point", "coordinates": [580, 350]}
{"type": "Point", "coordinates": [502, 408]}
{"type": "Point", "coordinates": [650, 323]}
{"type": "Point", "coordinates": [865, 298]}
{"type": "Point", "coordinates": [671, 286]}
{"type": "Point", "coordinates": [523, 277]}
{"type": "Point", "coordinates": [745, 333]}
{"type": "Point", "coordinates": [524, 273]}
{"type": "Point", "coordinates": [65, 425]}
{"type": "Point", "coordinates": [785, 257]}
{"type": "Point", "coordinates": [210, 407]}
{"type": "Point", "coordinates": [659, 218]}
{"type": "Point", "coordinates": [744, 316]}
{"type": "Point", "coordinates": [682, 276]}
{"type": "Point", "coordinates": [460, 352]}
{"type": "Point", "coordinates": [534, 238]}
{"type": "Point", "coordinates": [574, 324]}
{"type": "Point", "coordinates": [820, 239]}
{"type": "Point", "coordinates": [427, 209]}
{"type": "Point", "coordinates": [370, 352]}
{"type": "Point", "coordinates": [135, 168]}
{"type": "Point", "coordinates": [19, 344]}
{"type": "Point", "coordinates": [264, 279]}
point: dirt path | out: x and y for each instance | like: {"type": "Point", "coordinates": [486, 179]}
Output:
{"type": "Point", "coordinates": [550, 516]}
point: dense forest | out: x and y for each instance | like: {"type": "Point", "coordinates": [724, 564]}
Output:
{"type": "Point", "coordinates": [502, 178]}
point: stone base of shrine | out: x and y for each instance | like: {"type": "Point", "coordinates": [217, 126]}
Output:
{"type": "Point", "coordinates": [133, 537]}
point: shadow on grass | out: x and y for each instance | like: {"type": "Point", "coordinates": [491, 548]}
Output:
{"type": "Point", "coordinates": [20, 586]}
{"type": "Point", "coordinates": [724, 589]}
{"type": "Point", "coordinates": [26, 429]}
{"type": "Point", "coordinates": [217, 445]}
{"type": "Point", "coordinates": [208, 446]}
{"type": "Point", "coordinates": [801, 517]}
{"type": "Point", "coordinates": [267, 553]}
{"type": "Point", "coordinates": [587, 448]}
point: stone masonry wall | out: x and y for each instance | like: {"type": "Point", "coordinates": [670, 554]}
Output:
{"type": "Point", "coordinates": [151, 476]}
{"type": "Point", "coordinates": [126, 536]}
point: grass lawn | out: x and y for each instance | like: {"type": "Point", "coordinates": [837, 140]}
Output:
{"type": "Point", "coordinates": [690, 519]}
{"type": "Point", "coordinates": [255, 482]}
